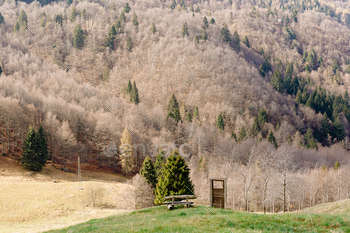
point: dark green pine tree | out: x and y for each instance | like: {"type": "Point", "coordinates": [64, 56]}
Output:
{"type": "Point", "coordinates": [261, 51]}
{"type": "Point", "coordinates": [271, 139]}
{"type": "Point", "coordinates": [31, 151]}
{"type": "Point", "coordinates": [236, 41]}
{"type": "Point", "coordinates": [135, 22]}
{"type": "Point", "coordinates": [346, 98]}
{"type": "Point", "coordinates": [44, 153]}
{"type": "Point", "coordinates": [299, 97]}
{"type": "Point", "coordinates": [134, 95]}
{"type": "Point", "coordinates": [307, 68]}
{"type": "Point", "coordinates": [184, 31]}
{"type": "Point", "coordinates": [246, 41]}
{"type": "Point", "coordinates": [119, 27]}
{"type": "Point", "coordinates": [122, 17]}
{"type": "Point", "coordinates": [305, 95]}
{"type": "Point", "coordinates": [172, 5]}
{"type": "Point", "coordinates": [129, 87]}
{"type": "Point", "coordinates": [335, 66]}
{"type": "Point", "coordinates": [326, 126]}
{"type": "Point", "coordinates": [148, 172]}
{"type": "Point", "coordinates": [338, 129]}
{"type": "Point", "coordinates": [242, 134]}
{"type": "Point", "coordinates": [310, 59]}
{"type": "Point", "coordinates": [109, 41]}
{"type": "Point", "coordinates": [212, 21]}
{"type": "Point", "coordinates": [262, 117]}
{"type": "Point", "coordinates": [153, 28]}
{"type": "Point", "coordinates": [225, 34]}
{"type": "Point", "coordinates": [78, 37]}
{"type": "Point", "coordinates": [255, 127]}
{"type": "Point", "coordinates": [288, 79]}
{"type": "Point", "coordinates": [16, 27]}
{"type": "Point", "coordinates": [23, 20]}
{"type": "Point", "coordinates": [233, 135]}
{"type": "Point", "coordinates": [175, 179]}
{"type": "Point", "coordinates": [73, 14]}
{"type": "Point", "coordinates": [295, 85]}
{"type": "Point", "coordinates": [127, 8]}
{"type": "Point", "coordinates": [276, 81]}
{"type": "Point", "coordinates": [160, 161]}
{"type": "Point", "coordinates": [59, 19]}
{"type": "Point", "coordinates": [196, 40]}
{"type": "Point", "coordinates": [265, 67]}
{"type": "Point", "coordinates": [173, 109]}
{"type": "Point", "coordinates": [220, 122]}
{"type": "Point", "coordinates": [191, 8]}
{"type": "Point", "coordinates": [205, 22]}
{"type": "Point", "coordinates": [69, 2]}
{"type": "Point", "coordinates": [345, 111]}
{"type": "Point", "coordinates": [204, 34]}
{"type": "Point", "coordinates": [310, 140]}
{"type": "Point", "coordinates": [310, 102]}
{"type": "Point", "coordinates": [2, 20]}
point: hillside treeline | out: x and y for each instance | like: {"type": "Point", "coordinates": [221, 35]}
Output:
{"type": "Point", "coordinates": [275, 73]}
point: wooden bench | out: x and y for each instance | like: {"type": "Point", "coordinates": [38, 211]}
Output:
{"type": "Point", "coordinates": [183, 201]}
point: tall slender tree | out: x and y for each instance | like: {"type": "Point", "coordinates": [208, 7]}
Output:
{"type": "Point", "coordinates": [153, 28]}
{"type": "Point", "coordinates": [173, 109]}
{"type": "Point", "coordinates": [184, 31]}
{"type": "Point", "coordinates": [220, 122]}
{"type": "Point", "coordinates": [127, 159]}
{"type": "Point", "coordinates": [78, 37]}
{"type": "Point", "coordinates": [205, 22]}
{"type": "Point", "coordinates": [271, 139]}
{"type": "Point", "coordinates": [148, 172]}
{"type": "Point", "coordinates": [127, 8]}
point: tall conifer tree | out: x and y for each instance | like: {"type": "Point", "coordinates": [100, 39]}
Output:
{"type": "Point", "coordinates": [175, 179]}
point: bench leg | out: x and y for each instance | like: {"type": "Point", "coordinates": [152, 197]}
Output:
{"type": "Point", "coordinates": [170, 207]}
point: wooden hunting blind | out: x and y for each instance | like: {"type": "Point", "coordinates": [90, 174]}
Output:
{"type": "Point", "coordinates": [218, 192]}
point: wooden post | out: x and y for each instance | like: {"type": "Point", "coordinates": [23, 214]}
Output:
{"type": "Point", "coordinates": [225, 193]}
{"type": "Point", "coordinates": [187, 200]}
{"type": "Point", "coordinates": [173, 199]}
{"type": "Point", "coordinates": [211, 192]}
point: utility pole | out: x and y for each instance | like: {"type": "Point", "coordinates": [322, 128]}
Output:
{"type": "Point", "coordinates": [79, 175]}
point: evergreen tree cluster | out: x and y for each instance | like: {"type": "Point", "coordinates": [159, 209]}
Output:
{"type": "Point", "coordinates": [35, 152]}
{"type": "Point", "coordinates": [22, 21]}
{"type": "Point", "coordinates": [134, 93]}
{"type": "Point", "coordinates": [118, 28]}
{"type": "Point", "coordinates": [330, 107]}
{"type": "Point", "coordinates": [167, 177]}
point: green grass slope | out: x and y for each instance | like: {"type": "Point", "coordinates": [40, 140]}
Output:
{"type": "Point", "coordinates": [203, 219]}
{"type": "Point", "coordinates": [339, 207]}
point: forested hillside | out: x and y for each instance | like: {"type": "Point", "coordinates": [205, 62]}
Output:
{"type": "Point", "coordinates": [249, 78]}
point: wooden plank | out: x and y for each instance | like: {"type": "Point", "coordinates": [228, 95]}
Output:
{"type": "Point", "coordinates": [177, 202]}
{"type": "Point", "coordinates": [178, 196]}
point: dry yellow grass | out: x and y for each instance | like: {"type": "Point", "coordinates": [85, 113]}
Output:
{"type": "Point", "coordinates": [34, 203]}
{"type": "Point", "coordinates": [339, 207]}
